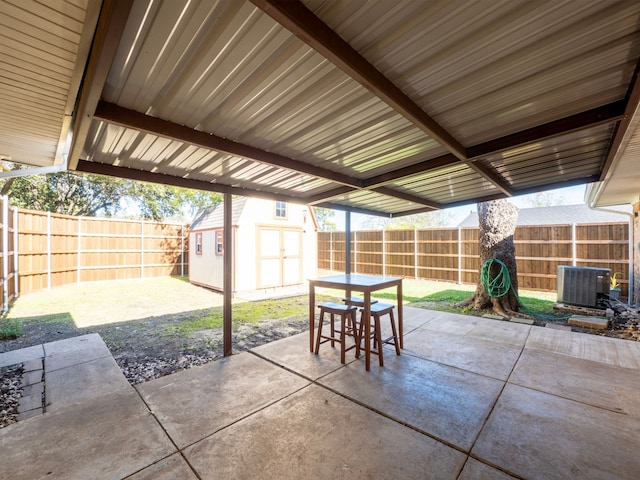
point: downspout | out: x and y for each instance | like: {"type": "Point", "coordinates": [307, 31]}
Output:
{"type": "Point", "coordinates": [631, 243]}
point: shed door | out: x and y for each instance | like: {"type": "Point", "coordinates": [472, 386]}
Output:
{"type": "Point", "coordinates": [279, 256]}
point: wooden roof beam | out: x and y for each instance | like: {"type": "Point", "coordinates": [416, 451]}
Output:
{"type": "Point", "coordinates": [303, 23]}
{"type": "Point", "coordinates": [111, 23]}
{"type": "Point", "coordinates": [597, 116]}
{"type": "Point", "coordinates": [164, 179]}
{"type": "Point", "coordinates": [115, 114]}
{"type": "Point", "coordinates": [408, 197]}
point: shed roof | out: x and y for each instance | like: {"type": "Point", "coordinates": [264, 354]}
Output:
{"type": "Point", "coordinates": [378, 107]}
{"type": "Point", "coordinates": [213, 217]}
{"type": "Point", "coordinates": [556, 215]}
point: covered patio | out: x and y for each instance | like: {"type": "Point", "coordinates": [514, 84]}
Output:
{"type": "Point", "coordinates": [469, 398]}
{"type": "Point", "coordinates": [386, 108]}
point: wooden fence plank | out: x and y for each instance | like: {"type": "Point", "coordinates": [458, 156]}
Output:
{"type": "Point", "coordinates": [438, 254]}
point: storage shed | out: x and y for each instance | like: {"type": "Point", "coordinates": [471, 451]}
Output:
{"type": "Point", "coordinates": [274, 245]}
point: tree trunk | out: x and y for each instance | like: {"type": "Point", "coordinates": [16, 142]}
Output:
{"type": "Point", "coordinates": [497, 220]}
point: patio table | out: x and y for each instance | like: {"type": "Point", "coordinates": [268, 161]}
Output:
{"type": "Point", "coordinates": [358, 283]}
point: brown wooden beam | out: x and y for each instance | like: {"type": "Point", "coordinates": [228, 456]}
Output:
{"type": "Point", "coordinates": [596, 116]}
{"type": "Point", "coordinates": [228, 273]}
{"type": "Point", "coordinates": [111, 23]}
{"type": "Point", "coordinates": [489, 174]}
{"type": "Point", "coordinates": [364, 211]}
{"type": "Point", "coordinates": [125, 117]}
{"type": "Point", "coordinates": [329, 194]}
{"type": "Point", "coordinates": [408, 197]}
{"type": "Point", "coordinates": [609, 113]}
{"type": "Point", "coordinates": [408, 171]}
{"type": "Point", "coordinates": [299, 20]}
{"type": "Point", "coordinates": [164, 179]}
{"type": "Point", "coordinates": [525, 191]}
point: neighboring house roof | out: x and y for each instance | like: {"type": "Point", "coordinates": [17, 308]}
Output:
{"type": "Point", "coordinates": [213, 217]}
{"type": "Point", "coordinates": [557, 215]}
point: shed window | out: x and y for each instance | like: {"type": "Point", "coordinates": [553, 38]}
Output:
{"type": "Point", "coordinates": [281, 210]}
{"type": "Point", "coordinates": [219, 242]}
{"type": "Point", "coordinates": [198, 243]}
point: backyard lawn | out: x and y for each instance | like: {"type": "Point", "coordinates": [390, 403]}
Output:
{"type": "Point", "coordinates": [174, 324]}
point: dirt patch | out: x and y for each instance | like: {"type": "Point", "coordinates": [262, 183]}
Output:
{"type": "Point", "coordinates": [147, 349]}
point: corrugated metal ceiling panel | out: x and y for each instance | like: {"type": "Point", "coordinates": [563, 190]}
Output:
{"type": "Point", "coordinates": [483, 70]}
{"type": "Point", "coordinates": [375, 202]}
{"type": "Point", "coordinates": [568, 157]}
{"type": "Point", "coordinates": [447, 185]}
{"type": "Point", "coordinates": [129, 148]}
{"type": "Point", "coordinates": [488, 69]}
{"type": "Point", "coordinates": [274, 92]}
{"type": "Point", "coordinates": [39, 76]}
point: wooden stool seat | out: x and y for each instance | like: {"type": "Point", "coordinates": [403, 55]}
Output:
{"type": "Point", "coordinates": [356, 301]}
{"type": "Point", "coordinates": [348, 327]}
{"type": "Point", "coordinates": [377, 311]}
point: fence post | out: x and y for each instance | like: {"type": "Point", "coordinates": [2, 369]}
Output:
{"type": "Point", "coordinates": [141, 248]}
{"type": "Point", "coordinates": [182, 250]}
{"type": "Point", "coordinates": [415, 253]}
{"type": "Point", "coordinates": [48, 249]}
{"type": "Point", "coordinates": [78, 276]}
{"type": "Point", "coordinates": [574, 247]}
{"type": "Point", "coordinates": [459, 255]}
{"type": "Point", "coordinates": [384, 260]}
{"type": "Point", "coordinates": [15, 253]}
{"type": "Point", "coordinates": [331, 251]}
{"type": "Point", "coordinates": [5, 254]}
{"type": "Point", "coordinates": [355, 252]}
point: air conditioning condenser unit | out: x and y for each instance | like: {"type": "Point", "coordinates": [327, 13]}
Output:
{"type": "Point", "coordinates": [583, 286]}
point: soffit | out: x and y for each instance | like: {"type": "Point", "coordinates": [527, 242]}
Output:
{"type": "Point", "coordinates": [43, 50]}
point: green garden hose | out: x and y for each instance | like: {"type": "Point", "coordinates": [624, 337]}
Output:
{"type": "Point", "coordinates": [499, 285]}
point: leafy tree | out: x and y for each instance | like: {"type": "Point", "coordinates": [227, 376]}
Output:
{"type": "Point", "coordinates": [95, 195]}
{"type": "Point", "coordinates": [498, 220]}
{"type": "Point", "coordinates": [68, 193]}
{"type": "Point", "coordinates": [545, 199]}
{"type": "Point", "coordinates": [433, 219]}
{"type": "Point", "coordinates": [323, 217]}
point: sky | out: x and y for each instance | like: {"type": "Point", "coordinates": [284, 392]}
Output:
{"type": "Point", "coordinates": [561, 196]}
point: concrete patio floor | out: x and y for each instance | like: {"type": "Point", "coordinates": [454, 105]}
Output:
{"type": "Point", "coordinates": [470, 398]}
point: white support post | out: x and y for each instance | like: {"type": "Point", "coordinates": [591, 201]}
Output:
{"type": "Point", "coordinates": [16, 264]}
{"type": "Point", "coordinates": [48, 249]}
{"type": "Point", "coordinates": [459, 256]}
{"type": "Point", "coordinates": [574, 246]}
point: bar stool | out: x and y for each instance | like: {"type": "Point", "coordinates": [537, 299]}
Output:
{"type": "Point", "coordinates": [377, 311]}
{"type": "Point", "coordinates": [357, 301]}
{"type": "Point", "coordinates": [348, 327]}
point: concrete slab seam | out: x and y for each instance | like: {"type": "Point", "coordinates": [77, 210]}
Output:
{"type": "Point", "coordinates": [178, 450]}
{"type": "Point", "coordinates": [107, 355]}
{"type": "Point", "coordinates": [225, 426]}
{"type": "Point", "coordinates": [495, 402]}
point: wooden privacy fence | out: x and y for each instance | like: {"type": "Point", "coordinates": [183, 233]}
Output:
{"type": "Point", "coordinates": [451, 254]}
{"type": "Point", "coordinates": [43, 250]}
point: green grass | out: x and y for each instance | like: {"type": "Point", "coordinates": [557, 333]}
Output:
{"type": "Point", "coordinates": [10, 329]}
{"type": "Point", "coordinates": [444, 296]}
{"type": "Point", "coordinates": [246, 313]}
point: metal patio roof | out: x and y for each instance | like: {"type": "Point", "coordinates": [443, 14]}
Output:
{"type": "Point", "coordinates": [377, 106]}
